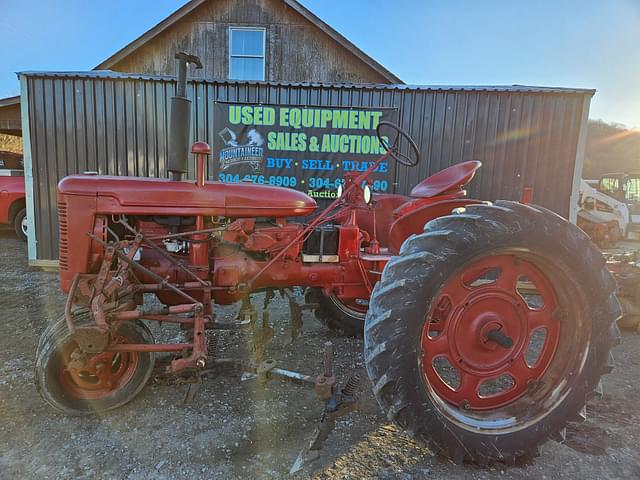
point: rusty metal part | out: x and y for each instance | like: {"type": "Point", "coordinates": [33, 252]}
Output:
{"type": "Point", "coordinates": [326, 382]}
{"type": "Point", "coordinates": [342, 402]}
{"type": "Point", "coordinates": [77, 360]}
{"type": "Point", "coordinates": [98, 312]}
{"type": "Point", "coordinates": [216, 365]}
{"type": "Point", "coordinates": [324, 386]}
{"type": "Point", "coordinates": [83, 292]}
{"type": "Point", "coordinates": [187, 234]}
{"type": "Point", "coordinates": [349, 389]}
{"type": "Point", "coordinates": [262, 333]}
{"type": "Point", "coordinates": [328, 359]}
{"type": "Point", "coordinates": [107, 260]}
{"type": "Point", "coordinates": [68, 316]}
{"type": "Point", "coordinates": [192, 389]}
{"type": "Point", "coordinates": [163, 253]}
{"type": "Point", "coordinates": [99, 293]}
{"type": "Point", "coordinates": [145, 347]}
{"type": "Point", "coordinates": [247, 313]}
{"type": "Point", "coordinates": [263, 370]}
{"type": "Point", "coordinates": [160, 315]}
{"type": "Point", "coordinates": [164, 283]}
{"type": "Point", "coordinates": [295, 312]}
{"type": "Point", "coordinates": [200, 311]}
{"type": "Point", "coordinates": [198, 357]}
{"type": "Point", "coordinates": [91, 339]}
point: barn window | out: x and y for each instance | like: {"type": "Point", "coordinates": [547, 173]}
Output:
{"type": "Point", "coordinates": [246, 53]}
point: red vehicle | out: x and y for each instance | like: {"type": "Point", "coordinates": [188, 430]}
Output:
{"type": "Point", "coordinates": [12, 201]}
{"type": "Point", "coordinates": [486, 326]}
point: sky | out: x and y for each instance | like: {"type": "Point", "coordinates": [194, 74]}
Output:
{"type": "Point", "coordinates": [565, 43]}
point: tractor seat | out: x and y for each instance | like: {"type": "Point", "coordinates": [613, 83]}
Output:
{"type": "Point", "coordinates": [450, 179]}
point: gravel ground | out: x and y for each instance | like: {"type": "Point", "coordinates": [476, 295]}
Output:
{"type": "Point", "coordinates": [237, 429]}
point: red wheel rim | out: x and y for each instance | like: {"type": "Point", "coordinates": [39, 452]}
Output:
{"type": "Point", "coordinates": [96, 376]}
{"type": "Point", "coordinates": [482, 324]}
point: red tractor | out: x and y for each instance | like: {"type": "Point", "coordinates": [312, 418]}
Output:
{"type": "Point", "coordinates": [486, 326]}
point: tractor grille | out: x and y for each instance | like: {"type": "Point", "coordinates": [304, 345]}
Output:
{"type": "Point", "coordinates": [64, 236]}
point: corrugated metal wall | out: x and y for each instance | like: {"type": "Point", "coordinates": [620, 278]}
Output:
{"type": "Point", "coordinates": [117, 125]}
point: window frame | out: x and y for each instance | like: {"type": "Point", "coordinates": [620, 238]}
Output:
{"type": "Point", "coordinates": [230, 56]}
{"type": "Point", "coordinates": [628, 191]}
{"type": "Point", "coordinates": [609, 184]}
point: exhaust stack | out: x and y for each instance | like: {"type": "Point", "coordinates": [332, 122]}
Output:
{"type": "Point", "coordinates": [180, 120]}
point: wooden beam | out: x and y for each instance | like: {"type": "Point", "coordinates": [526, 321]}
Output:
{"type": "Point", "coordinates": [45, 265]}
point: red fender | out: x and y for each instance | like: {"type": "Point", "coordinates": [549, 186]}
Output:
{"type": "Point", "coordinates": [385, 205]}
{"type": "Point", "coordinates": [11, 190]}
{"type": "Point", "coordinates": [414, 221]}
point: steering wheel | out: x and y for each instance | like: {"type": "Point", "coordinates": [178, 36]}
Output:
{"type": "Point", "coordinates": [408, 157]}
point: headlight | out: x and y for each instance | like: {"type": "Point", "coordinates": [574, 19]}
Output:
{"type": "Point", "coordinates": [367, 194]}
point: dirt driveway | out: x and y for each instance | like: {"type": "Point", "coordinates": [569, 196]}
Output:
{"type": "Point", "coordinates": [236, 429]}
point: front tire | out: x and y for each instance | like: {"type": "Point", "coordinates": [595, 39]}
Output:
{"type": "Point", "coordinates": [331, 312]}
{"type": "Point", "coordinates": [20, 224]}
{"type": "Point", "coordinates": [105, 382]}
{"type": "Point", "coordinates": [454, 317]}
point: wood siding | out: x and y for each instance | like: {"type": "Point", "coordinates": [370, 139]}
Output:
{"type": "Point", "coordinates": [296, 49]}
{"type": "Point", "coordinates": [10, 119]}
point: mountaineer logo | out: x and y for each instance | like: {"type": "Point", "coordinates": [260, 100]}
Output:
{"type": "Point", "coordinates": [251, 153]}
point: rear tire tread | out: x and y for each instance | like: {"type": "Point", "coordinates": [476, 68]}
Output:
{"type": "Point", "coordinates": [453, 236]}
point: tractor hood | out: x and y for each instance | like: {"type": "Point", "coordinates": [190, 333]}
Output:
{"type": "Point", "coordinates": [155, 196]}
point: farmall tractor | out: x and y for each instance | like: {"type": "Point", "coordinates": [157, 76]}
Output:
{"type": "Point", "coordinates": [487, 326]}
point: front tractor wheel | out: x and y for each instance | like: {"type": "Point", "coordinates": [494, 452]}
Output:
{"type": "Point", "coordinates": [84, 384]}
{"type": "Point", "coordinates": [490, 331]}
{"type": "Point", "coordinates": [344, 318]}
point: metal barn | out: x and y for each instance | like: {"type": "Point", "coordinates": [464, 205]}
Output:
{"type": "Point", "coordinates": [116, 124]}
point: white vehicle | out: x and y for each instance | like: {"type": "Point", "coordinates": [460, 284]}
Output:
{"type": "Point", "coordinates": [597, 207]}
{"type": "Point", "coordinates": [614, 199]}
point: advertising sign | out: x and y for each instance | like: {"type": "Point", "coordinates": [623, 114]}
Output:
{"type": "Point", "coordinates": [301, 147]}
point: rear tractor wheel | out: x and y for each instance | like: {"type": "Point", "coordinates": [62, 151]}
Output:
{"type": "Point", "coordinates": [490, 331]}
{"type": "Point", "coordinates": [84, 384]}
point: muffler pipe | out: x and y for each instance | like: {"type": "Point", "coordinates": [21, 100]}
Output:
{"type": "Point", "coordinates": [180, 119]}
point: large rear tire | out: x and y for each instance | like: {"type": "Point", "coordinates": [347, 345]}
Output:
{"type": "Point", "coordinates": [105, 382]}
{"type": "Point", "coordinates": [455, 317]}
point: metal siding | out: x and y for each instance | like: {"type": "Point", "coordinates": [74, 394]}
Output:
{"type": "Point", "coordinates": [117, 125]}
